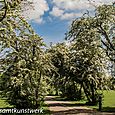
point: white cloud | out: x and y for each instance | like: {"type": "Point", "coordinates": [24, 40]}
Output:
{"type": "Point", "coordinates": [69, 16]}
{"type": "Point", "coordinates": [63, 15]}
{"type": "Point", "coordinates": [71, 4]}
{"type": "Point", "coordinates": [79, 4]}
{"type": "Point", "coordinates": [70, 9]}
{"type": "Point", "coordinates": [35, 10]}
{"type": "Point", "coordinates": [56, 11]}
{"type": "Point", "coordinates": [64, 9]}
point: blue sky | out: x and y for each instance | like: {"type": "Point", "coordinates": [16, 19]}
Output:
{"type": "Point", "coordinates": [51, 19]}
{"type": "Point", "coordinates": [52, 31]}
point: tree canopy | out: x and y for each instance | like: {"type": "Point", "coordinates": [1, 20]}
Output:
{"type": "Point", "coordinates": [7, 5]}
{"type": "Point", "coordinates": [23, 62]}
{"type": "Point", "coordinates": [103, 25]}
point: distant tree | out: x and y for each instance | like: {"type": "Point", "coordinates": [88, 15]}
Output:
{"type": "Point", "coordinates": [58, 54]}
{"type": "Point", "coordinates": [62, 78]}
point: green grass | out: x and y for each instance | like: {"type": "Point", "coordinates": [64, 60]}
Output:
{"type": "Point", "coordinates": [46, 111]}
{"type": "Point", "coordinates": [108, 103]}
{"type": "Point", "coordinates": [109, 98]}
{"type": "Point", "coordinates": [4, 104]}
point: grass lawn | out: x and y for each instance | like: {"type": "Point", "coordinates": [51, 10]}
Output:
{"type": "Point", "coordinates": [109, 98]}
{"type": "Point", "coordinates": [108, 103]}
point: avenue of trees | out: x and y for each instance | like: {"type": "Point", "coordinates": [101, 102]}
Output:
{"type": "Point", "coordinates": [79, 69]}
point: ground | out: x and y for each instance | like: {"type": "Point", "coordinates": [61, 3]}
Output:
{"type": "Point", "coordinates": [67, 108]}
{"type": "Point", "coordinates": [58, 107]}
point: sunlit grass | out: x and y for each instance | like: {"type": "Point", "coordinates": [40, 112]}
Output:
{"type": "Point", "coordinates": [109, 98]}
{"type": "Point", "coordinates": [108, 102]}
{"type": "Point", "coordinates": [4, 104]}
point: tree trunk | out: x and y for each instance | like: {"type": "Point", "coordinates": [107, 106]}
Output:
{"type": "Point", "coordinates": [86, 93]}
{"type": "Point", "coordinates": [37, 91]}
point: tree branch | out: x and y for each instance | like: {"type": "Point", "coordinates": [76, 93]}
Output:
{"type": "Point", "coordinates": [104, 33]}
{"type": "Point", "coordinates": [5, 11]}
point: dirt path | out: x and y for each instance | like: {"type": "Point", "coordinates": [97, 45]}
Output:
{"type": "Point", "coordinates": [67, 108]}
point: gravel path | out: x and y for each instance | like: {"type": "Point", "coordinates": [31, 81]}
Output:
{"type": "Point", "coordinates": [66, 108]}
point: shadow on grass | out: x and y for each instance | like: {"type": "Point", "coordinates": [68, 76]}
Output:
{"type": "Point", "coordinates": [65, 104]}
{"type": "Point", "coordinates": [108, 109]}
{"type": "Point", "coordinates": [57, 98]}
{"type": "Point", "coordinates": [64, 99]}
{"type": "Point", "coordinates": [59, 101]}
{"type": "Point", "coordinates": [73, 111]}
